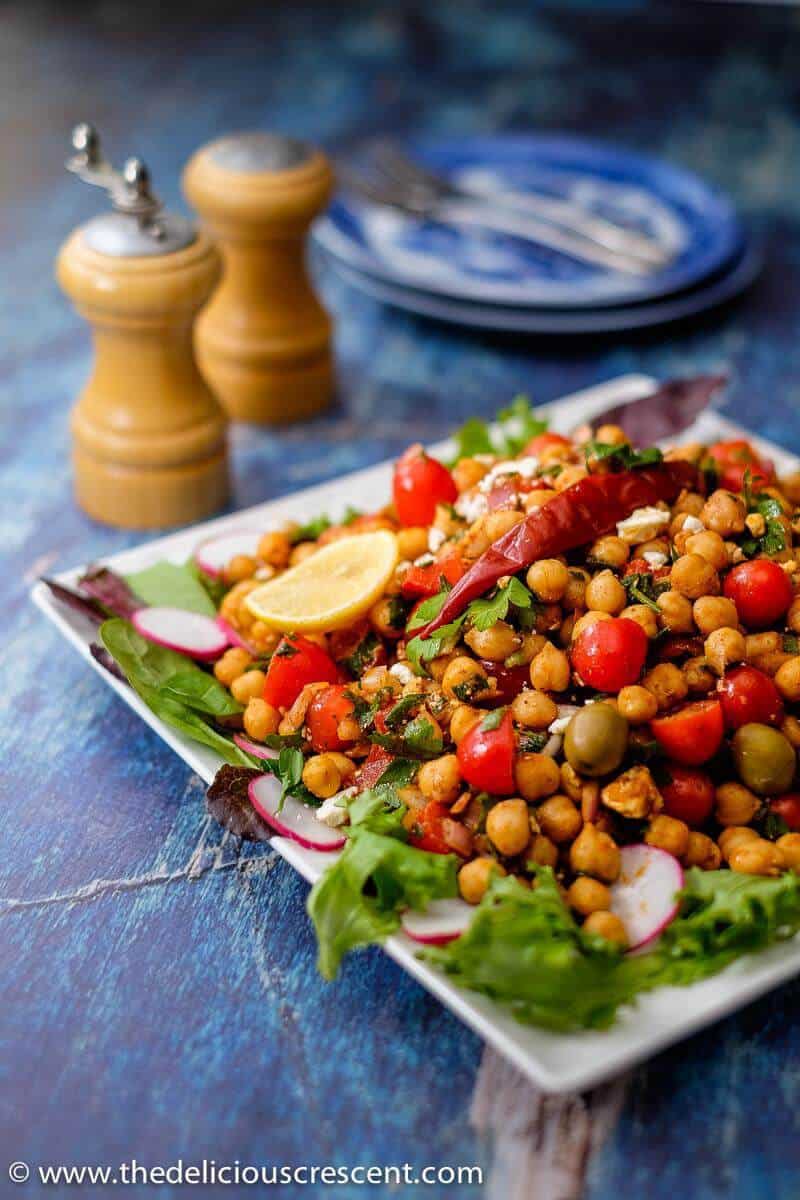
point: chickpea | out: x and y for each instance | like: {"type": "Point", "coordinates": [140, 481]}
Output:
{"type": "Point", "coordinates": [676, 612]}
{"type": "Point", "coordinates": [611, 435]}
{"type": "Point", "coordinates": [475, 876]}
{"type": "Point", "coordinates": [702, 852]}
{"type": "Point", "coordinates": [260, 719]}
{"type": "Point", "coordinates": [240, 567]}
{"type": "Point", "coordinates": [735, 804]}
{"type": "Point", "coordinates": [549, 671]}
{"type": "Point", "coordinates": [508, 826]}
{"type": "Point", "coordinates": [569, 475]}
{"type": "Point", "coordinates": [611, 551]}
{"type": "Point", "coordinates": [233, 663]}
{"type": "Point", "coordinates": [793, 615]}
{"type": "Point", "coordinates": [587, 619]}
{"type": "Point", "coordinates": [383, 619]}
{"type": "Point", "coordinates": [497, 643]}
{"type": "Point", "coordinates": [538, 498]}
{"type": "Point", "coordinates": [412, 542]}
{"type": "Point", "coordinates": [587, 895]}
{"type": "Point", "coordinates": [787, 679]}
{"type": "Point", "coordinates": [263, 638]}
{"type": "Point", "coordinates": [734, 836]}
{"type": "Point", "coordinates": [723, 647]}
{"type": "Point", "coordinates": [790, 728]}
{"type": "Point", "coordinates": [595, 853]}
{"type": "Point", "coordinates": [248, 686]}
{"type": "Point", "coordinates": [344, 765]}
{"type": "Point", "coordinates": [643, 615]}
{"type": "Point", "coordinates": [714, 612]}
{"type": "Point", "coordinates": [559, 819]}
{"type": "Point", "coordinates": [534, 710]}
{"type": "Point", "coordinates": [542, 851]}
{"type": "Point", "coordinates": [693, 576]}
{"type": "Point", "coordinates": [575, 593]}
{"type": "Point", "coordinates": [667, 684]}
{"type": "Point", "coordinates": [606, 925]}
{"type": "Point", "coordinates": [275, 548]}
{"type": "Point", "coordinates": [468, 472]}
{"type": "Point", "coordinates": [605, 593]}
{"type": "Point", "coordinates": [536, 776]}
{"type": "Point", "coordinates": [758, 645]}
{"type": "Point", "coordinates": [495, 524]}
{"type": "Point", "coordinates": [757, 857]}
{"type": "Point", "coordinates": [232, 607]}
{"type": "Point", "coordinates": [301, 552]}
{"type": "Point", "coordinates": [548, 579]}
{"type": "Point", "coordinates": [637, 704]}
{"type": "Point", "coordinates": [321, 776]}
{"type": "Point", "coordinates": [571, 782]}
{"type": "Point", "coordinates": [724, 513]}
{"type": "Point", "coordinates": [464, 679]}
{"type": "Point", "coordinates": [699, 679]}
{"type": "Point", "coordinates": [447, 520]}
{"type": "Point", "coordinates": [710, 546]}
{"type": "Point", "coordinates": [440, 779]}
{"type": "Point", "coordinates": [667, 833]}
{"type": "Point", "coordinates": [462, 719]}
{"type": "Point", "coordinates": [789, 846]}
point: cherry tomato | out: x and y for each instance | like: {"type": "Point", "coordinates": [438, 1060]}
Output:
{"type": "Point", "coordinates": [760, 590]}
{"type": "Point", "coordinates": [689, 795]}
{"type": "Point", "coordinates": [325, 713]}
{"type": "Point", "coordinates": [746, 695]}
{"type": "Point", "coordinates": [427, 830]}
{"type": "Point", "coordinates": [426, 581]}
{"type": "Point", "coordinates": [420, 483]}
{"type": "Point", "coordinates": [610, 654]}
{"type": "Point", "coordinates": [788, 808]}
{"type": "Point", "coordinates": [544, 440]}
{"type": "Point", "coordinates": [295, 663]}
{"type": "Point", "coordinates": [691, 735]}
{"type": "Point", "coordinates": [486, 756]}
{"type": "Point", "coordinates": [734, 458]}
{"type": "Point", "coordinates": [373, 767]}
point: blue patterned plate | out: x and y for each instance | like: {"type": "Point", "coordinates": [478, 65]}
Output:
{"type": "Point", "coordinates": [670, 204]}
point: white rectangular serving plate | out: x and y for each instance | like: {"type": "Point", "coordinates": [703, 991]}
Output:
{"type": "Point", "coordinates": [554, 1062]}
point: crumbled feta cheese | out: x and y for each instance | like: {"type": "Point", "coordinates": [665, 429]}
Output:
{"type": "Point", "coordinates": [402, 672]}
{"type": "Point", "coordinates": [642, 524]}
{"type": "Point", "coordinates": [565, 714]}
{"type": "Point", "coordinates": [693, 525]}
{"type": "Point", "coordinates": [333, 811]}
{"type": "Point", "coordinates": [526, 467]}
{"type": "Point", "coordinates": [436, 539]}
{"type": "Point", "coordinates": [654, 558]}
{"type": "Point", "coordinates": [471, 506]}
{"type": "Point", "coordinates": [424, 560]}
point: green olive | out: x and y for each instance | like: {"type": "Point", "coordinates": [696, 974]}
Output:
{"type": "Point", "coordinates": [764, 758]}
{"type": "Point", "coordinates": [595, 739]}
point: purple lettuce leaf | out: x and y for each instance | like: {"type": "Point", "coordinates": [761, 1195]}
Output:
{"type": "Point", "coordinates": [228, 802]}
{"type": "Point", "coordinates": [110, 591]}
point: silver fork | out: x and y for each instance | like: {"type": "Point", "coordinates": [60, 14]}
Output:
{"type": "Point", "coordinates": [568, 214]}
{"type": "Point", "coordinates": [466, 212]}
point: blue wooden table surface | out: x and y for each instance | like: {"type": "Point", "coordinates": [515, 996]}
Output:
{"type": "Point", "coordinates": [158, 997]}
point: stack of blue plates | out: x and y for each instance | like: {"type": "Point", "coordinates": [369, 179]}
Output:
{"type": "Point", "coordinates": [494, 281]}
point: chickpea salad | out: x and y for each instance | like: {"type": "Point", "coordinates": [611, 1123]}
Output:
{"type": "Point", "coordinates": [540, 707]}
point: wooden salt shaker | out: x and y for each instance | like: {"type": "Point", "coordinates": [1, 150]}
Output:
{"type": "Point", "coordinates": [149, 446]}
{"type": "Point", "coordinates": [264, 341]}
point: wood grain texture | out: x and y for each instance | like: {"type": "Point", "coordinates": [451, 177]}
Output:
{"type": "Point", "coordinates": [158, 997]}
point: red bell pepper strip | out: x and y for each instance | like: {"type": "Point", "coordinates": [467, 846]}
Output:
{"type": "Point", "coordinates": [580, 514]}
{"type": "Point", "coordinates": [426, 581]}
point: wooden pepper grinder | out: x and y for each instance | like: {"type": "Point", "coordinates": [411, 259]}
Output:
{"type": "Point", "coordinates": [149, 446]}
{"type": "Point", "coordinates": [264, 341]}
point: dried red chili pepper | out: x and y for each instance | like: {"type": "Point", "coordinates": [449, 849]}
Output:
{"type": "Point", "coordinates": [580, 514]}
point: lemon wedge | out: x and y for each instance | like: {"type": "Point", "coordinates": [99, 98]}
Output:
{"type": "Point", "coordinates": [329, 589]}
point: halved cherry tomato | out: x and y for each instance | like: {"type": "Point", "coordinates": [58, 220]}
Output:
{"type": "Point", "coordinates": [295, 663]}
{"type": "Point", "coordinates": [787, 807]}
{"type": "Point", "coordinates": [486, 756]}
{"type": "Point", "coordinates": [689, 795]}
{"type": "Point", "coordinates": [746, 695]}
{"type": "Point", "coordinates": [420, 483]}
{"type": "Point", "coordinates": [542, 441]}
{"type": "Point", "coordinates": [427, 830]}
{"type": "Point", "coordinates": [373, 767]}
{"type": "Point", "coordinates": [691, 735]}
{"type": "Point", "coordinates": [760, 590]}
{"type": "Point", "coordinates": [426, 581]}
{"type": "Point", "coordinates": [609, 655]}
{"type": "Point", "coordinates": [325, 713]}
{"type": "Point", "coordinates": [734, 458]}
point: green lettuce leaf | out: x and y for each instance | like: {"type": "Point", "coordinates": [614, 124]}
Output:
{"type": "Point", "coordinates": [510, 433]}
{"type": "Point", "coordinates": [172, 585]}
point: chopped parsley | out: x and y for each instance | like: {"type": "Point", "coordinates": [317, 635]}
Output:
{"type": "Point", "coordinates": [513, 429]}
{"type": "Point", "coordinates": [623, 456]}
{"type": "Point", "coordinates": [483, 614]}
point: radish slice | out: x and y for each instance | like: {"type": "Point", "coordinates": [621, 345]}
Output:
{"type": "Point", "coordinates": [214, 555]}
{"type": "Point", "coordinates": [233, 637]}
{"type": "Point", "coordinates": [295, 820]}
{"type": "Point", "coordinates": [190, 633]}
{"type": "Point", "coordinates": [644, 896]}
{"type": "Point", "coordinates": [253, 748]}
{"type": "Point", "coordinates": [442, 921]}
